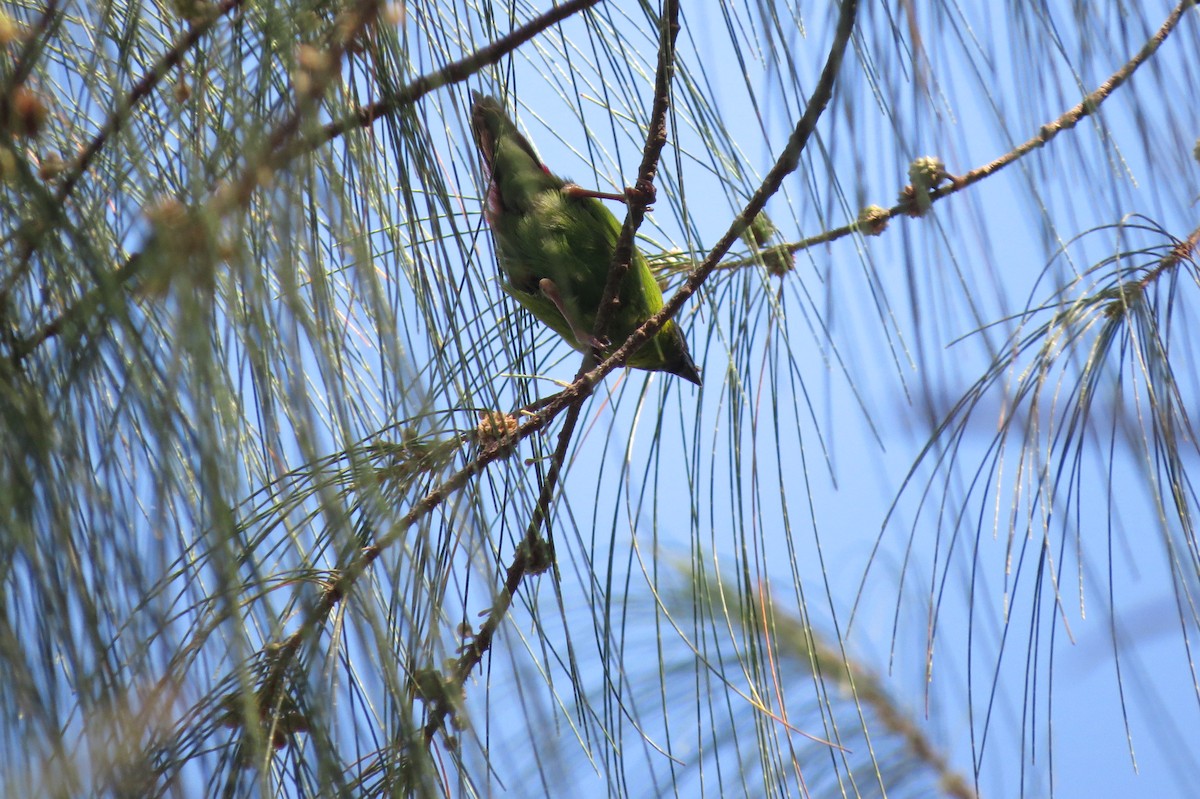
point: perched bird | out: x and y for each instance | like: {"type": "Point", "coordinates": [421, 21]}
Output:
{"type": "Point", "coordinates": [555, 245]}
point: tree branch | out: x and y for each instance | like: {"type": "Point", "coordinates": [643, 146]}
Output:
{"type": "Point", "coordinates": [787, 162]}
{"type": "Point", "coordinates": [276, 154]}
{"type": "Point", "coordinates": [639, 200]}
{"type": "Point", "coordinates": [451, 73]}
{"type": "Point", "coordinates": [1069, 119]}
{"type": "Point", "coordinates": [534, 555]}
{"type": "Point", "coordinates": [140, 91]}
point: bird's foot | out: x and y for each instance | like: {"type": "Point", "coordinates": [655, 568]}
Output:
{"type": "Point", "coordinates": [576, 192]}
{"type": "Point", "coordinates": [642, 192]}
{"type": "Point", "coordinates": [582, 335]}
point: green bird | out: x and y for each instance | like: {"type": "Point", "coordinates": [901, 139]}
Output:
{"type": "Point", "coordinates": [555, 245]}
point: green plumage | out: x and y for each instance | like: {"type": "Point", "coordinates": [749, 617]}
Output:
{"type": "Point", "coordinates": [555, 249]}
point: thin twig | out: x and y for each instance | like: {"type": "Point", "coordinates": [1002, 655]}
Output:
{"type": "Point", "coordinates": [140, 91]}
{"type": "Point", "coordinates": [33, 41]}
{"type": "Point", "coordinates": [1183, 251]}
{"type": "Point", "coordinates": [787, 162]}
{"type": "Point", "coordinates": [451, 73]}
{"type": "Point", "coordinates": [640, 198]}
{"type": "Point", "coordinates": [1086, 107]}
{"type": "Point", "coordinates": [527, 560]}
{"type": "Point", "coordinates": [275, 153]}
{"type": "Point", "coordinates": [1069, 119]}
{"type": "Point", "coordinates": [235, 193]}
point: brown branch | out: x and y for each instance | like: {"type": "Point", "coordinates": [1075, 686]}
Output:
{"type": "Point", "coordinates": [451, 73]}
{"type": "Point", "coordinates": [787, 162]}
{"type": "Point", "coordinates": [234, 194]}
{"type": "Point", "coordinates": [140, 91]}
{"type": "Point", "coordinates": [1069, 119]}
{"type": "Point", "coordinates": [25, 60]}
{"type": "Point", "coordinates": [534, 555]}
{"type": "Point", "coordinates": [343, 582]}
{"type": "Point", "coordinates": [24, 347]}
{"type": "Point", "coordinates": [638, 200]}
{"type": "Point", "coordinates": [1183, 251]}
{"type": "Point", "coordinates": [275, 154]}
{"type": "Point", "coordinates": [1088, 106]}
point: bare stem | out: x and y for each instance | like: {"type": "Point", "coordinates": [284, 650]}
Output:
{"type": "Point", "coordinates": [279, 150]}
{"type": "Point", "coordinates": [1069, 119]}
{"type": "Point", "coordinates": [526, 560]}
{"type": "Point", "coordinates": [787, 162]}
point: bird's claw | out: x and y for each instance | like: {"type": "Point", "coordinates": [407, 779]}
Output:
{"type": "Point", "coordinates": [642, 192]}
{"type": "Point", "coordinates": [598, 345]}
